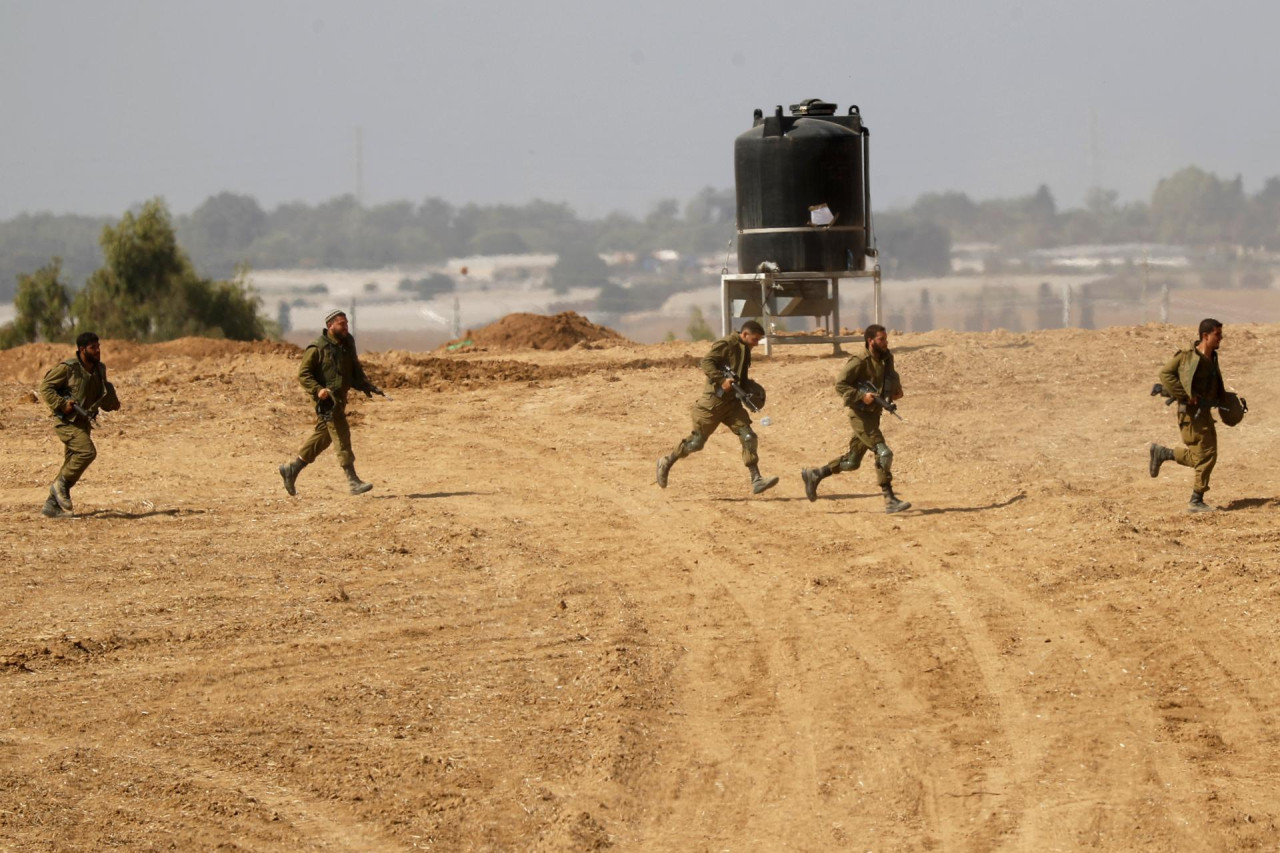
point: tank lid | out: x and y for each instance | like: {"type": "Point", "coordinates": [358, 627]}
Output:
{"type": "Point", "coordinates": [813, 107]}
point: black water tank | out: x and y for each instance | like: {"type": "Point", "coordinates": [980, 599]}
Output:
{"type": "Point", "coordinates": [785, 169]}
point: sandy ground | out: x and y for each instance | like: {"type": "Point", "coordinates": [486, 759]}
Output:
{"type": "Point", "coordinates": [518, 642]}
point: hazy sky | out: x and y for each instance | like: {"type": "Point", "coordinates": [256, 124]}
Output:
{"type": "Point", "coordinates": [611, 105]}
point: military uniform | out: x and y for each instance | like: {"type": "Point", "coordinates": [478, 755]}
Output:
{"type": "Point", "coordinates": [711, 410]}
{"type": "Point", "coordinates": [1189, 374]}
{"type": "Point", "coordinates": [863, 366]}
{"type": "Point", "coordinates": [865, 419]}
{"type": "Point", "coordinates": [716, 407]}
{"type": "Point", "coordinates": [326, 363]}
{"type": "Point", "coordinates": [92, 392]}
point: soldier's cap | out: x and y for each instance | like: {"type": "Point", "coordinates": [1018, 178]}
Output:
{"type": "Point", "coordinates": [336, 312]}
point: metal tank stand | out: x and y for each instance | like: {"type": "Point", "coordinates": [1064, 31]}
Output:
{"type": "Point", "coordinates": [792, 294]}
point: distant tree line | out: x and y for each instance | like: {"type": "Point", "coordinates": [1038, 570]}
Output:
{"type": "Point", "coordinates": [146, 289]}
{"type": "Point", "coordinates": [1192, 207]}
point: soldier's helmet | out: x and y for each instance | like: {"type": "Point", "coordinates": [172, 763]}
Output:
{"type": "Point", "coordinates": [1232, 409]}
{"type": "Point", "coordinates": [755, 391]}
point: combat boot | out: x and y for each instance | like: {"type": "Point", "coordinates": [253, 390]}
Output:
{"type": "Point", "coordinates": [289, 473]}
{"type": "Point", "coordinates": [891, 502]}
{"type": "Point", "coordinates": [1197, 503]}
{"type": "Point", "coordinates": [812, 477]}
{"type": "Point", "coordinates": [1159, 455]}
{"type": "Point", "coordinates": [758, 483]}
{"type": "Point", "coordinates": [358, 486]}
{"type": "Point", "coordinates": [51, 508]}
{"type": "Point", "coordinates": [664, 468]}
{"type": "Point", "coordinates": [61, 492]}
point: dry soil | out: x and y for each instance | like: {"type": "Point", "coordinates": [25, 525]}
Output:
{"type": "Point", "coordinates": [517, 641]}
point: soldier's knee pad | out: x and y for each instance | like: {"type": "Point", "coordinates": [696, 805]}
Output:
{"type": "Point", "coordinates": [748, 438]}
{"type": "Point", "coordinates": [694, 442]}
{"type": "Point", "coordinates": [847, 464]}
{"type": "Point", "coordinates": [884, 457]}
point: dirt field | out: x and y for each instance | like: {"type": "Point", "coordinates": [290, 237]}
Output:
{"type": "Point", "coordinates": [518, 642]}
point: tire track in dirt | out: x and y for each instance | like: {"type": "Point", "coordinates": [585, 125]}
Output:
{"type": "Point", "coordinates": [313, 819]}
{"type": "Point", "coordinates": [1136, 768]}
{"type": "Point", "coordinates": [769, 692]}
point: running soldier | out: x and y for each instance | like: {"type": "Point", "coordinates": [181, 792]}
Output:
{"type": "Point", "coordinates": [75, 390]}
{"type": "Point", "coordinates": [720, 405]}
{"type": "Point", "coordinates": [872, 369]}
{"type": "Point", "coordinates": [330, 368]}
{"type": "Point", "coordinates": [1192, 378]}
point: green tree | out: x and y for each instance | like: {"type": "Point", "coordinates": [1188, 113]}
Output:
{"type": "Point", "coordinates": [425, 288]}
{"type": "Point", "coordinates": [219, 233]}
{"type": "Point", "coordinates": [1195, 207]}
{"type": "Point", "coordinates": [578, 266]}
{"type": "Point", "coordinates": [911, 248]}
{"type": "Point", "coordinates": [41, 306]}
{"type": "Point", "coordinates": [698, 330]}
{"type": "Point", "coordinates": [148, 290]}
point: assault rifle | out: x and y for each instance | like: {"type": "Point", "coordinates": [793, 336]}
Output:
{"type": "Point", "coordinates": [736, 386]}
{"type": "Point", "coordinates": [324, 408]}
{"type": "Point", "coordinates": [77, 409]}
{"type": "Point", "coordinates": [888, 405]}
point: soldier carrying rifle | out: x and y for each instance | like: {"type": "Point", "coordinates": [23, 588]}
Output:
{"type": "Point", "coordinates": [725, 366]}
{"type": "Point", "coordinates": [868, 384]}
{"type": "Point", "coordinates": [330, 368]}
{"type": "Point", "coordinates": [75, 390]}
{"type": "Point", "coordinates": [1192, 379]}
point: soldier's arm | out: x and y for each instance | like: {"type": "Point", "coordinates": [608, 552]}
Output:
{"type": "Point", "coordinates": [714, 360]}
{"type": "Point", "coordinates": [110, 402]}
{"type": "Point", "coordinates": [53, 380]}
{"type": "Point", "coordinates": [361, 382]}
{"type": "Point", "coordinates": [847, 382]}
{"type": "Point", "coordinates": [893, 385]}
{"type": "Point", "coordinates": [309, 376]}
{"type": "Point", "coordinates": [1169, 379]}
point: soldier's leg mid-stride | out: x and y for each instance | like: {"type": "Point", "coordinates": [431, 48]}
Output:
{"type": "Point", "coordinates": [697, 439]}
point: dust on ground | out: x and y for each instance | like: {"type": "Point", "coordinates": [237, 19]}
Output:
{"type": "Point", "coordinates": [518, 641]}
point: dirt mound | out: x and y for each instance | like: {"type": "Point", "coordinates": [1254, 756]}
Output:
{"type": "Point", "coordinates": [27, 364]}
{"type": "Point", "coordinates": [536, 331]}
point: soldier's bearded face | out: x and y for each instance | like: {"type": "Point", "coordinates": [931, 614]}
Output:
{"type": "Point", "coordinates": [92, 353]}
{"type": "Point", "coordinates": [338, 327]}
{"type": "Point", "coordinates": [880, 343]}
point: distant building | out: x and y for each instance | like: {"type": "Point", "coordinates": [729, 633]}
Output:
{"type": "Point", "coordinates": [1100, 257]}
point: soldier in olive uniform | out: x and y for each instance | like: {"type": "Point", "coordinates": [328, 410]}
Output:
{"type": "Point", "coordinates": [873, 365]}
{"type": "Point", "coordinates": [1192, 378]}
{"type": "Point", "coordinates": [75, 390]}
{"type": "Point", "coordinates": [330, 369]}
{"type": "Point", "coordinates": [719, 405]}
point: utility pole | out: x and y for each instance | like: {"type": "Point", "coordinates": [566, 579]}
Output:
{"type": "Point", "coordinates": [1146, 275]}
{"type": "Point", "coordinates": [359, 166]}
{"type": "Point", "coordinates": [1094, 168]}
